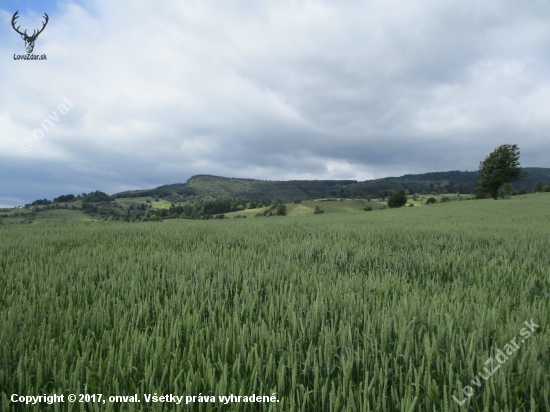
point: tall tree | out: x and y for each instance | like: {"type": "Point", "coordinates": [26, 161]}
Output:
{"type": "Point", "coordinates": [500, 167]}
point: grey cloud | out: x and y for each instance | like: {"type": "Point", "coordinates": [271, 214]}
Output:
{"type": "Point", "coordinates": [272, 90]}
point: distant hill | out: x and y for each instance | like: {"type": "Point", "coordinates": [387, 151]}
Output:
{"type": "Point", "coordinates": [207, 187]}
{"type": "Point", "coordinates": [214, 187]}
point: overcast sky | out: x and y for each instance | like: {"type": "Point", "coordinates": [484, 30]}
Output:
{"type": "Point", "coordinates": [277, 90]}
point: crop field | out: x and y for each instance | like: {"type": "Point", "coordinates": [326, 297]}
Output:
{"type": "Point", "coordinates": [398, 310]}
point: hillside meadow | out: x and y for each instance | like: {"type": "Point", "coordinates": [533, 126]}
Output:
{"type": "Point", "coordinates": [126, 208]}
{"type": "Point", "coordinates": [397, 310]}
{"type": "Point", "coordinates": [308, 207]}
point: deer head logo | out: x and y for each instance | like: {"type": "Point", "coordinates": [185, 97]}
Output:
{"type": "Point", "coordinates": [29, 40]}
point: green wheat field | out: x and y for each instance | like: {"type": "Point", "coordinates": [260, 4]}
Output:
{"type": "Point", "coordinates": [393, 310]}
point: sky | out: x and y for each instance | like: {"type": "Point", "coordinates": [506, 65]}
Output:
{"type": "Point", "coordinates": [134, 95]}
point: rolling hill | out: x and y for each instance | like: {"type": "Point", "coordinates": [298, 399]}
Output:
{"type": "Point", "coordinates": [207, 187]}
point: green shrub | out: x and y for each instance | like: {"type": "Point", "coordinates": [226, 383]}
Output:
{"type": "Point", "coordinates": [281, 210]}
{"type": "Point", "coordinates": [539, 186]}
{"type": "Point", "coordinates": [318, 211]}
{"type": "Point", "coordinates": [367, 208]}
{"type": "Point", "coordinates": [431, 200]}
{"type": "Point", "coordinates": [398, 199]}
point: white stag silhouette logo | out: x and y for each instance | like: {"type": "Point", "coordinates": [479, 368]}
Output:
{"type": "Point", "coordinates": [29, 40]}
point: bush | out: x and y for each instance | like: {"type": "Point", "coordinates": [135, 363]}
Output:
{"type": "Point", "coordinates": [410, 205]}
{"type": "Point", "coordinates": [318, 211]}
{"type": "Point", "coordinates": [445, 199]}
{"type": "Point", "coordinates": [398, 199]}
{"type": "Point", "coordinates": [220, 216]}
{"type": "Point", "coordinates": [367, 208]}
{"type": "Point", "coordinates": [522, 192]}
{"type": "Point", "coordinates": [546, 188]}
{"type": "Point", "coordinates": [539, 186]}
{"type": "Point", "coordinates": [431, 200]}
{"type": "Point", "coordinates": [155, 218]}
{"type": "Point", "coordinates": [297, 201]}
{"type": "Point", "coordinates": [88, 208]}
{"type": "Point", "coordinates": [281, 210]}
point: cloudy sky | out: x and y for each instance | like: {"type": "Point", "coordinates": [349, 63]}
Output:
{"type": "Point", "coordinates": [277, 90]}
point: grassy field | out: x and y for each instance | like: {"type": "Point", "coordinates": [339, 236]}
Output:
{"type": "Point", "coordinates": [308, 207]}
{"type": "Point", "coordinates": [72, 211]}
{"type": "Point", "coordinates": [390, 311]}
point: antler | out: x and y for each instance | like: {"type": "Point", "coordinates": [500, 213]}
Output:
{"type": "Point", "coordinates": [15, 16]}
{"type": "Point", "coordinates": [43, 25]}
{"type": "Point", "coordinates": [34, 33]}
